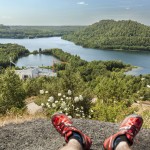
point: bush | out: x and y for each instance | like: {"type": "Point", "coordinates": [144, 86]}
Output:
{"type": "Point", "coordinates": [11, 93]}
{"type": "Point", "coordinates": [110, 112]}
{"type": "Point", "coordinates": [72, 106]}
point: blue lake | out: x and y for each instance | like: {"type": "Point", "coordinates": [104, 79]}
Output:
{"type": "Point", "coordinates": [135, 58]}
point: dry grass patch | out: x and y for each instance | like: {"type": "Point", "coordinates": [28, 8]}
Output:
{"type": "Point", "coordinates": [144, 111]}
{"type": "Point", "coordinates": [6, 119]}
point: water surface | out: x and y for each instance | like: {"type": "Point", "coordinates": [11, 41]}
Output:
{"type": "Point", "coordinates": [140, 59]}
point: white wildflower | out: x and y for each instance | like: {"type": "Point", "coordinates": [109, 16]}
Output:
{"type": "Point", "coordinates": [67, 98]}
{"type": "Point", "coordinates": [148, 86]}
{"type": "Point", "coordinates": [64, 96]}
{"type": "Point", "coordinates": [89, 116]}
{"type": "Point", "coordinates": [63, 105]}
{"type": "Point", "coordinates": [76, 99]}
{"type": "Point", "coordinates": [66, 109]}
{"type": "Point", "coordinates": [80, 97]}
{"type": "Point", "coordinates": [59, 94]}
{"type": "Point", "coordinates": [81, 107]}
{"type": "Point", "coordinates": [70, 117]}
{"type": "Point", "coordinates": [47, 104]}
{"type": "Point", "coordinates": [41, 91]}
{"type": "Point", "coordinates": [77, 108]}
{"type": "Point", "coordinates": [69, 92]}
{"type": "Point", "coordinates": [94, 100]}
{"type": "Point", "coordinates": [53, 105]}
{"type": "Point", "coordinates": [46, 92]}
{"type": "Point", "coordinates": [56, 102]}
{"type": "Point", "coordinates": [61, 99]}
{"type": "Point", "coordinates": [78, 115]}
{"type": "Point", "coordinates": [51, 99]}
{"type": "Point", "coordinates": [141, 97]}
{"type": "Point", "coordinates": [92, 111]}
{"type": "Point", "coordinates": [67, 114]}
{"type": "Point", "coordinates": [42, 104]}
{"type": "Point", "coordinates": [142, 79]}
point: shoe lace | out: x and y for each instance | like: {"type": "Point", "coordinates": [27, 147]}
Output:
{"type": "Point", "coordinates": [63, 127]}
{"type": "Point", "coordinates": [132, 131]}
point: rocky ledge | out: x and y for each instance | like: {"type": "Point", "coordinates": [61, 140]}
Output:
{"type": "Point", "coordinates": [40, 135]}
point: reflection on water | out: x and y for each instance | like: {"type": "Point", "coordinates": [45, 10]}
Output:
{"type": "Point", "coordinates": [36, 60]}
{"type": "Point", "coordinates": [135, 71]}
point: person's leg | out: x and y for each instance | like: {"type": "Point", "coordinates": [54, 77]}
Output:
{"type": "Point", "coordinates": [72, 145]}
{"type": "Point", "coordinates": [75, 139]}
{"type": "Point", "coordinates": [123, 146]}
{"type": "Point", "coordinates": [123, 139]}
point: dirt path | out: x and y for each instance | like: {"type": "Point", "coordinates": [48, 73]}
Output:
{"type": "Point", "coordinates": [40, 135]}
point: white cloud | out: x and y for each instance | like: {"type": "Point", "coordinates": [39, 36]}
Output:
{"type": "Point", "coordinates": [82, 3]}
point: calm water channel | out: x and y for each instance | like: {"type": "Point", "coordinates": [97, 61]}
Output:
{"type": "Point", "coordinates": [140, 59]}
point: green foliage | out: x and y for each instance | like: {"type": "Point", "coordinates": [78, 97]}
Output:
{"type": "Point", "coordinates": [105, 79]}
{"type": "Point", "coordinates": [15, 111]}
{"type": "Point", "coordinates": [11, 93]}
{"type": "Point", "coordinates": [73, 81]}
{"type": "Point", "coordinates": [110, 34]}
{"type": "Point", "coordinates": [33, 85]}
{"type": "Point", "coordinates": [19, 32]}
{"type": "Point", "coordinates": [110, 112]}
{"type": "Point", "coordinates": [11, 51]}
{"type": "Point", "coordinates": [65, 58]}
{"type": "Point", "coordinates": [116, 86]}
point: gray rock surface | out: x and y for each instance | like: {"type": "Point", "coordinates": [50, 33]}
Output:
{"type": "Point", "coordinates": [33, 108]}
{"type": "Point", "coordinates": [41, 135]}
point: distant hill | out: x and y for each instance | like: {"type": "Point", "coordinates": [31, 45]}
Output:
{"type": "Point", "coordinates": [20, 32]}
{"type": "Point", "coordinates": [110, 34]}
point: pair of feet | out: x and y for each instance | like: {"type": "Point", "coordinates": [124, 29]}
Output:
{"type": "Point", "coordinates": [128, 129]}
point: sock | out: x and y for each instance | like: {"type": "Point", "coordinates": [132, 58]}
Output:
{"type": "Point", "coordinates": [77, 136]}
{"type": "Point", "coordinates": [120, 139]}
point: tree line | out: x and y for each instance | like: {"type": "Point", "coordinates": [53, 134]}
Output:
{"type": "Point", "coordinates": [110, 34]}
{"type": "Point", "coordinates": [19, 32]}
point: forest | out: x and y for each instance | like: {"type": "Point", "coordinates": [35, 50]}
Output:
{"type": "Point", "coordinates": [110, 34]}
{"type": "Point", "coordinates": [11, 51]}
{"type": "Point", "coordinates": [20, 32]}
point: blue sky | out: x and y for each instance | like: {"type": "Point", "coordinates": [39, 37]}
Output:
{"type": "Point", "coordinates": [72, 12]}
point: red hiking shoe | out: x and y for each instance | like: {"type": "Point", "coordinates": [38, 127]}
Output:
{"type": "Point", "coordinates": [64, 126]}
{"type": "Point", "coordinates": [129, 127]}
